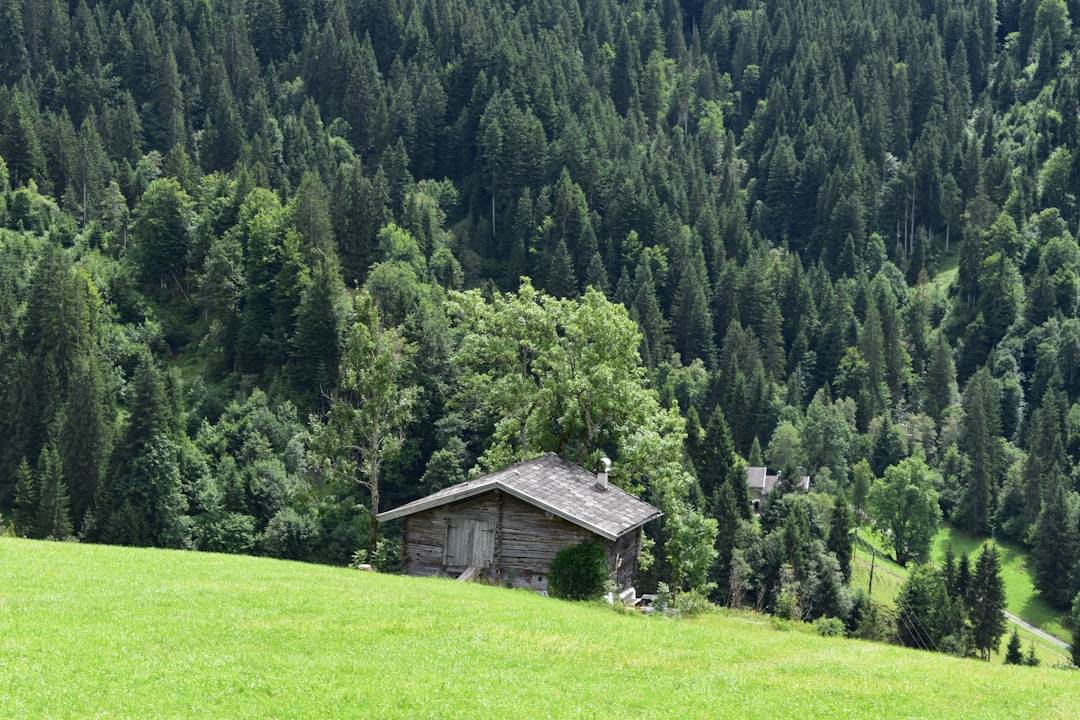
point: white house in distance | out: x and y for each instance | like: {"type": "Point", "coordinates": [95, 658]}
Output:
{"type": "Point", "coordinates": [761, 484]}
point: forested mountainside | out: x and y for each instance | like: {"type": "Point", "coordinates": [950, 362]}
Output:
{"type": "Point", "coordinates": [839, 234]}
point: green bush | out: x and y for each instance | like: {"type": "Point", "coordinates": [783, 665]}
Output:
{"type": "Point", "coordinates": [388, 556]}
{"type": "Point", "coordinates": [662, 600]}
{"type": "Point", "coordinates": [693, 602]}
{"type": "Point", "coordinates": [579, 572]}
{"type": "Point", "coordinates": [290, 535]}
{"type": "Point", "coordinates": [830, 627]}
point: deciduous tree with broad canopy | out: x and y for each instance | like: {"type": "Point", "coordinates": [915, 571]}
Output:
{"type": "Point", "coordinates": [564, 375]}
{"type": "Point", "coordinates": [905, 503]}
{"type": "Point", "coordinates": [371, 406]}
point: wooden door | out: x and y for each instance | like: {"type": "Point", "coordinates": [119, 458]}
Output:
{"type": "Point", "coordinates": [469, 543]}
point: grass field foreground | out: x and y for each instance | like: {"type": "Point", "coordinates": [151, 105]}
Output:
{"type": "Point", "coordinates": [103, 631]}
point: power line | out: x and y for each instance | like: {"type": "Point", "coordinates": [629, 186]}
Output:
{"type": "Point", "coordinates": [917, 620]}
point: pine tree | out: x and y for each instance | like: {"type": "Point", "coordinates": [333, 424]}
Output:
{"type": "Point", "coordinates": [53, 520]}
{"type": "Point", "coordinates": [143, 503]}
{"type": "Point", "coordinates": [981, 443]}
{"type": "Point", "coordinates": [841, 540]}
{"type": "Point", "coordinates": [718, 465]}
{"type": "Point", "coordinates": [986, 602]}
{"type": "Point", "coordinates": [86, 435]}
{"type": "Point", "coordinates": [315, 349]}
{"type": "Point", "coordinates": [1053, 545]}
{"type": "Point", "coordinates": [26, 499]}
{"type": "Point", "coordinates": [560, 277]}
{"type": "Point", "coordinates": [1013, 654]}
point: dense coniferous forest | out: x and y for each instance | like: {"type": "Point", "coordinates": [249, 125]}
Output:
{"type": "Point", "coordinates": [263, 262]}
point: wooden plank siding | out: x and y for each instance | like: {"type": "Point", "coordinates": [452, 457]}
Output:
{"type": "Point", "coordinates": [623, 558]}
{"type": "Point", "coordinates": [525, 540]}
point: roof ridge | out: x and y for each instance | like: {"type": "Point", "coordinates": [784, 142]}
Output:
{"type": "Point", "coordinates": [555, 484]}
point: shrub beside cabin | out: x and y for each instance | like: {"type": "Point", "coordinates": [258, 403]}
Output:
{"type": "Point", "coordinates": [508, 526]}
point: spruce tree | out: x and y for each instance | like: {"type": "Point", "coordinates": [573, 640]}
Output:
{"type": "Point", "coordinates": [841, 537]}
{"type": "Point", "coordinates": [755, 458]}
{"type": "Point", "coordinates": [161, 236]}
{"type": "Point", "coordinates": [981, 441]}
{"type": "Point", "coordinates": [862, 479]}
{"type": "Point", "coordinates": [86, 434]}
{"type": "Point", "coordinates": [560, 276]}
{"type": "Point", "coordinates": [645, 309]}
{"type": "Point", "coordinates": [53, 520]}
{"type": "Point", "coordinates": [718, 465]}
{"type": "Point", "coordinates": [949, 571]}
{"type": "Point", "coordinates": [723, 507]}
{"type": "Point", "coordinates": [26, 499]}
{"type": "Point", "coordinates": [1053, 545]}
{"type": "Point", "coordinates": [1029, 659]}
{"type": "Point", "coordinates": [923, 609]}
{"type": "Point", "coordinates": [691, 318]}
{"type": "Point", "coordinates": [1013, 654]}
{"type": "Point", "coordinates": [315, 349]}
{"type": "Point", "coordinates": [144, 504]}
{"type": "Point", "coordinates": [986, 602]}
{"type": "Point", "coordinates": [596, 276]}
{"type": "Point", "coordinates": [963, 576]}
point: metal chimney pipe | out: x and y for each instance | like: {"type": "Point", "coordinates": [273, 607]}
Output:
{"type": "Point", "coordinates": [602, 473]}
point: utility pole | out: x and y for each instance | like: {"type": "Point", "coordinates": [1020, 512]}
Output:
{"type": "Point", "coordinates": [873, 557]}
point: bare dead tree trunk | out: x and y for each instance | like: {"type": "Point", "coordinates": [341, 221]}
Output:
{"type": "Point", "coordinates": [911, 236]}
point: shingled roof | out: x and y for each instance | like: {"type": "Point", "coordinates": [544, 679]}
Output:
{"type": "Point", "coordinates": [555, 485]}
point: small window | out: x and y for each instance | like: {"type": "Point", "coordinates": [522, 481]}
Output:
{"type": "Point", "coordinates": [469, 543]}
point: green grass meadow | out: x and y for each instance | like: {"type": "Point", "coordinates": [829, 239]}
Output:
{"type": "Point", "coordinates": [93, 631]}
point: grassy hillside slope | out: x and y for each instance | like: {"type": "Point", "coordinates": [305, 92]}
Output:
{"type": "Point", "coordinates": [103, 631]}
{"type": "Point", "coordinates": [1021, 598]}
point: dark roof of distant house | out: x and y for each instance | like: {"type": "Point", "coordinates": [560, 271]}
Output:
{"type": "Point", "coordinates": [553, 484]}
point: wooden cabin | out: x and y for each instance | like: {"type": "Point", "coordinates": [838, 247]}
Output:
{"type": "Point", "coordinates": [508, 526]}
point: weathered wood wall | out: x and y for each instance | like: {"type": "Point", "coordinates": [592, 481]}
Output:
{"type": "Point", "coordinates": [526, 541]}
{"type": "Point", "coordinates": [623, 558]}
{"type": "Point", "coordinates": [424, 534]}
